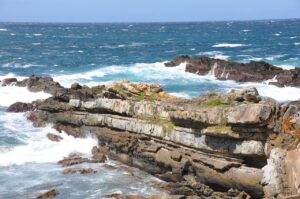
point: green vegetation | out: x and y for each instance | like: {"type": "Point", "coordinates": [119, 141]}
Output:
{"type": "Point", "coordinates": [142, 96]}
{"type": "Point", "coordinates": [215, 103]}
{"type": "Point", "coordinates": [219, 129]}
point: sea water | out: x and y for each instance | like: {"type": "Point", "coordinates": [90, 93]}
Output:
{"type": "Point", "coordinates": [95, 54]}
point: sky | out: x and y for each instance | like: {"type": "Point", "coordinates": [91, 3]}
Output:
{"type": "Point", "coordinates": [145, 10]}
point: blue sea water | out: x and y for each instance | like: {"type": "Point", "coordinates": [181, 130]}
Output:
{"type": "Point", "coordinates": [102, 53]}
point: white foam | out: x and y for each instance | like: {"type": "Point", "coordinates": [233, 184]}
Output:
{"type": "Point", "coordinates": [68, 79]}
{"type": "Point", "coordinates": [12, 94]}
{"type": "Point", "coordinates": [287, 67]}
{"type": "Point", "coordinates": [228, 45]}
{"type": "Point", "coordinates": [38, 148]}
{"type": "Point", "coordinates": [37, 34]}
{"type": "Point", "coordinates": [158, 73]}
{"type": "Point", "coordinates": [297, 43]}
{"type": "Point", "coordinates": [3, 30]}
{"type": "Point", "coordinates": [16, 65]}
{"type": "Point", "coordinates": [245, 30]}
{"type": "Point", "coordinates": [215, 55]}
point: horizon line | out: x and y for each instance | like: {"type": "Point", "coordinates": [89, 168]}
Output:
{"type": "Point", "coordinates": [150, 22]}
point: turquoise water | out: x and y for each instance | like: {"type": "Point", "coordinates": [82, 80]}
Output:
{"type": "Point", "coordinates": [102, 53]}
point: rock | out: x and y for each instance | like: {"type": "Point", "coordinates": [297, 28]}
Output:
{"type": "Point", "coordinates": [75, 158]}
{"type": "Point", "coordinates": [248, 94]}
{"type": "Point", "coordinates": [98, 156]}
{"type": "Point", "coordinates": [49, 194]}
{"type": "Point", "coordinates": [8, 81]}
{"type": "Point", "coordinates": [240, 72]}
{"type": "Point", "coordinates": [21, 107]}
{"type": "Point", "coordinates": [53, 137]}
{"type": "Point", "coordinates": [249, 114]}
{"type": "Point", "coordinates": [76, 86]}
{"type": "Point", "coordinates": [82, 171]}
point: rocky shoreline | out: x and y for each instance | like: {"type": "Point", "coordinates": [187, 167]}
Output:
{"type": "Point", "coordinates": [239, 72]}
{"type": "Point", "coordinates": [234, 145]}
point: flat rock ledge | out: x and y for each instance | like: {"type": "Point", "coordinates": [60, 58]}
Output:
{"type": "Point", "coordinates": [215, 146]}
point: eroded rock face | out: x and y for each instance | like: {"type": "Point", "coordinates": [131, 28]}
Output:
{"type": "Point", "coordinates": [189, 143]}
{"type": "Point", "coordinates": [240, 72]}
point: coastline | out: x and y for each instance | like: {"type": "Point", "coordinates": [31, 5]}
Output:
{"type": "Point", "coordinates": [203, 146]}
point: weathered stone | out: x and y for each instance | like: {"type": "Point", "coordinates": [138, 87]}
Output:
{"type": "Point", "coordinates": [49, 194]}
{"type": "Point", "coordinates": [249, 114]}
{"type": "Point", "coordinates": [82, 171]}
{"type": "Point", "coordinates": [53, 137]}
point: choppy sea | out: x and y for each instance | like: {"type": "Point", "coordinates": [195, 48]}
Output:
{"type": "Point", "coordinates": [95, 54]}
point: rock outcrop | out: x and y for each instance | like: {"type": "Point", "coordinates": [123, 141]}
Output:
{"type": "Point", "coordinates": [215, 146]}
{"type": "Point", "coordinates": [240, 72]}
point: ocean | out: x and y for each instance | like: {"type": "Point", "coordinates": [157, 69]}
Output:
{"type": "Point", "coordinates": [95, 54]}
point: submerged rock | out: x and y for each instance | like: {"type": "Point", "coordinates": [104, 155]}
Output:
{"type": "Point", "coordinates": [49, 194]}
{"type": "Point", "coordinates": [82, 171]}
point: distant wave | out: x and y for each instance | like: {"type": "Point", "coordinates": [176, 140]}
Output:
{"type": "Point", "coordinates": [297, 43]}
{"type": "Point", "coordinates": [158, 73]}
{"type": "Point", "coordinates": [228, 45]}
{"type": "Point", "coordinates": [215, 55]}
{"type": "Point", "coordinates": [17, 65]}
{"type": "Point", "coordinates": [3, 30]}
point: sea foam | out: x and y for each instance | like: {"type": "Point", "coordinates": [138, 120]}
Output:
{"type": "Point", "coordinates": [228, 45]}
{"type": "Point", "coordinates": [37, 147]}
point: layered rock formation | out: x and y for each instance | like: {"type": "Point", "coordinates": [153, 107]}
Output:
{"type": "Point", "coordinates": [215, 146]}
{"type": "Point", "coordinates": [240, 72]}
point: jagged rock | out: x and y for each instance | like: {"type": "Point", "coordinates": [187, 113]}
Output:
{"type": "Point", "coordinates": [240, 72]}
{"type": "Point", "coordinates": [8, 81]}
{"type": "Point", "coordinates": [76, 158]}
{"type": "Point", "coordinates": [21, 107]}
{"type": "Point", "coordinates": [49, 194]}
{"type": "Point", "coordinates": [53, 137]}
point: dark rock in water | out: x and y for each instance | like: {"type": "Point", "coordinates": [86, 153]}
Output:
{"type": "Point", "coordinates": [82, 171]}
{"type": "Point", "coordinates": [76, 158]}
{"type": "Point", "coordinates": [239, 72]}
{"type": "Point", "coordinates": [49, 194]}
{"type": "Point", "coordinates": [53, 137]}
{"type": "Point", "coordinates": [21, 107]}
{"type": "Point", "coordinates": [8, 81]}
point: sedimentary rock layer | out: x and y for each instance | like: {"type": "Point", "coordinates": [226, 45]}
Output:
{"type": "Point", "coordinates": [205, 146]}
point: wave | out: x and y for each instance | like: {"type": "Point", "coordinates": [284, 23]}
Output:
{"type": "Point", "coordinates": [245, 30]}
{"type": "Point", "coordinates": [17, 65]}
{"type": "Point", "coordinates": [37, 148]}
{"type": "Point", "coordinates": [215, 55]}
{"type": "Point", "coordinates": [12, 94]}
{"type": "Point", "coordinates": [228, 45]}
{"type": "Point", "coordinates": [297, 43]}
{"type": "Point", "coordinates": [187, 85]}
{"type": "Point", "coordinates": [286, 67]}
{"type": "Point", "coordinates": [3, 30]}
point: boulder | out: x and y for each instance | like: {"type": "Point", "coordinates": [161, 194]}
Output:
{"type": "Point", "coordinates": [21, 107]}
{"type": "Point", "coordinates": [82, 171]}
{"type": "Point", "coordinates": [8, 81]}
{"type": "Point", "coordinates": [53, 137]}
